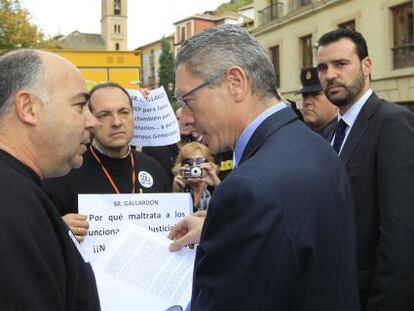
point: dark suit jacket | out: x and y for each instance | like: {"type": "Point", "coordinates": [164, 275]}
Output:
{"type": "Point", "coordinates": [379, 157]}
{"type": "Point", "coordinates": [279, 233]}
{"type": "Point", "coordinates": [329, 129]}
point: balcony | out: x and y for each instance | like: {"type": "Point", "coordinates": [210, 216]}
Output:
{"type": "Point", "coordinates": [270, 13]}
{"type": "Point", "coordinates": [296, 4]}
{"type": "Point", "coordinates": [403, 56]}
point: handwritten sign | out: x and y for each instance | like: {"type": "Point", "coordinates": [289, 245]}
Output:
{"type": "Point", "coordinates": [108, 213]}
{"type": "Point", "coordinates": [155, 123]}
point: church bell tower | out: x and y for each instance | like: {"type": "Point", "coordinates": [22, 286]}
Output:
{"type": "Point", "coordinates": [114, 24]}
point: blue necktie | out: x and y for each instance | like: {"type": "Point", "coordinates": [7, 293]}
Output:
{"type": "Point", "coordinates": [339, 135]}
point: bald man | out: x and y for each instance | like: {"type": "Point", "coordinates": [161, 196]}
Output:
{"type": "Point", "coordinates": [44, 129]}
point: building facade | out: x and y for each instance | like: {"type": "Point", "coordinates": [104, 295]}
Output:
{"type": "Point", "coordinates": [121, 67]}
{"type": "Point", "coordinates": [150, 54]}
{"type": "Point", "coordinates": [188, 27]}
{"type": "Point", "coordinates": [289, 30]}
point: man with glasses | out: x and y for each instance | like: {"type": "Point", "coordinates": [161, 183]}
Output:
{"type": "Point", "coordinates": [279, 232]}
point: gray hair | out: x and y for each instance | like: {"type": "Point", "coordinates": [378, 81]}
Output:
{"type": "Point", "coordinates": [21, 69]}
{"type": "Point", "coordinates": [215, 49]}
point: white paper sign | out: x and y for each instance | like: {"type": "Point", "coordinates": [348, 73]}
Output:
{"type": "Point", "coordinates": [155, 123]}
{"type": "Point", "coordinates": [108, 213]}
{"type": "Point", "coordinates": [138, 272]}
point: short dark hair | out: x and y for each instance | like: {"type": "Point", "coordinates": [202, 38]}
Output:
{"type": "Point", "coordinates": [108, 85]}
{"type": "Point", "coordinates": [361, 48]}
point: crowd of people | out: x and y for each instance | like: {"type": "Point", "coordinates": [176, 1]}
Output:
{"type": "Point", "coordinates": [317, 213]}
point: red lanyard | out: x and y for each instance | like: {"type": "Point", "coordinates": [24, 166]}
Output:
{"type": "Point", "coordinates": [109, 176]}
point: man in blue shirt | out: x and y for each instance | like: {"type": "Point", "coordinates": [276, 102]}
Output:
{"type": "Point", "coordinates": [279, 232]}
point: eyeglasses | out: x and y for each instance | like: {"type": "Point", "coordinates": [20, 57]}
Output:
{"type": "Point", "coordinates": [182, 99]}
{"type": "Point", "coordinates": [193, 161]}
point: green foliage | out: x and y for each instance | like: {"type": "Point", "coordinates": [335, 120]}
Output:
{"type": "Point", "coordinates": [166, 70]}
{"type": "Point", "coordinates": [232, 6]}
{"type": "Point", "coordinates": [16, 30]}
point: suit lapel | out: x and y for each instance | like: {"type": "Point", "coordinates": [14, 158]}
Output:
{"type": "Point", "coordinates": [360, 126]}
{"type": "Point", "coordinates": [268, 127]}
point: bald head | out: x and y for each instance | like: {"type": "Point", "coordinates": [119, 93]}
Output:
{"type": "Point", "coordinates": [43, 102]}
{"type": "Point", "coordinates": [21, 69]}
{"type": "Point", "coordinates": [58, 73]}
{"type": "Point", "coordinates": [30, 70]}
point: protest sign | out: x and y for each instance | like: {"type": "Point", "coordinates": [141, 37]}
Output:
{"type": "Point", "coordinates": [155, 123]}
{"type": "Point", "coordinates": [108, 213]}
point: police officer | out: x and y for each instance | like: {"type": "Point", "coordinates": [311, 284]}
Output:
{"type": "Point", "coordinates": [318, 112]}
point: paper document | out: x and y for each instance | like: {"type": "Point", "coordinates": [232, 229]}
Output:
{"type": "Point", "coordinates": [138, 272]}
{"type": "Point", "coordinates": [108, 213]}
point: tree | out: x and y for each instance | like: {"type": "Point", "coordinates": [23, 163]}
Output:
{"type": "Point", "coordinates": [232, 6]}
{"type": "Point", "coordinates": [16, 29]}
{"type": "Point", "coordinates": [166, 69]}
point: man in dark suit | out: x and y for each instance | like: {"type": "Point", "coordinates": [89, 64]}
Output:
{"type": "Point", "coordinates": [375, 140]}
{"type": "Point", "coordinates": [279, 232]}
{"type": "Point", "coordinates": [318, 112]}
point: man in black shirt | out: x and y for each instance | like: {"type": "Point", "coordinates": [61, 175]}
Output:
{"type": "Point", "coordinates": [44, 129]}
{"type": "Point", "coordinates": [111, 166]}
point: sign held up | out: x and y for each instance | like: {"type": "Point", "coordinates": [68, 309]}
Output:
{"type": "Point", "coordinates": [155, 123]}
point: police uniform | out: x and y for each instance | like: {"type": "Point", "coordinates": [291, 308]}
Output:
{"type": "Point", "coordinates": [311, 84]}
{"type": "Point", "coordinates": [136, 173]}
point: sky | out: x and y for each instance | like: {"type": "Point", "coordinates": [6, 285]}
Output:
{"type": "Point", "coordinates": [147, 20]}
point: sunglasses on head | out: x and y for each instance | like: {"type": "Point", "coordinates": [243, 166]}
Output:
{"type": "Point", "coordinates": [193, 161]}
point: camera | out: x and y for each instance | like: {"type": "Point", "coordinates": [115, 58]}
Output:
{"type": "Point", "coordinates": [192, 172]}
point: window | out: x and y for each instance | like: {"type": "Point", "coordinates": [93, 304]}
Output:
{"type": "Point", "coordinates": [177, 31]}
{"type": "Point", "coordinates": [119, 28]}
{"type": "Point", "coordinates": [182, 34]}
{"type": "Point", "coordinates": [307, 53]}
{"type": "Point", "coordinates": [117, 7]}
{"type": "Point", "coordinates": [348, 25]}
{"type": "Point", "coordinates": [114, 28]}
{"type": "Point", "coordinates": [272, 12]}
{"type": "Point", "coordinates": [188, 26]}
{"type": "Point", "coordinates": [403, 40]}
{"type": "Point", "coordinates": [116, 46]}
{"type": "Point", "coordinates": [274, 56]}
{"type": "Point", "coordinates": [296, 4]}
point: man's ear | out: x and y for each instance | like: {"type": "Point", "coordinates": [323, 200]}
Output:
{"type": "Point", "coordinates": [27, 107]}
{"type": "Point", "coordinates": [238, 82]}
{"type": "Point", "coordinates": [366, 66]}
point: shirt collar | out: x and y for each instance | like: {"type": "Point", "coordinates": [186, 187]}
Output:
{"type": "Point", "coordinates": [95, 145]}
{"type": "Point", "coordinates": [352, 113]}
{"type": "Point", "coordinates": [250, 129]}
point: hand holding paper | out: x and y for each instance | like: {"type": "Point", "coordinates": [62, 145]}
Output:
{"type": "Point", "coordinates": [137, 272]}
{"type": "Point", "coordinates": [187, 231]}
